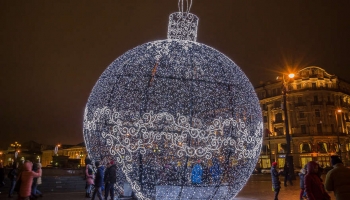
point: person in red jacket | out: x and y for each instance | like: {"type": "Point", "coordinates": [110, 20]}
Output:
{"type": "Point", "coordinates": [313, 186]}
{"type": "Point", "coordinates": [26, 177]}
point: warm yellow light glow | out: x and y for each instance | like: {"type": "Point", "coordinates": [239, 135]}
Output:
{"type": "Point", "coordinates": [339, 110]}
{"type": "Point", "coordinates": [291, 75]}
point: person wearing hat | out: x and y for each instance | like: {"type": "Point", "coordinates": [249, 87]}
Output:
{"type": "Point", "coordinates": [110, 179]}
{"type": "Point", "coordinates": [338, 179]}
{"type": "Point", "coordinates": [276, 183]}
{"type": "Point", "coordinates": [313, 186]}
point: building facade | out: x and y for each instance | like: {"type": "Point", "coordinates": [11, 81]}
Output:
{"type": "Point", "coordinates": [35, 152]}
{"type": "Point", "coordinates": [72, 152]}
{"type": "Point", "coordinates": [27, 151]}
{"type": "Point", "coordinates": [318, 106]}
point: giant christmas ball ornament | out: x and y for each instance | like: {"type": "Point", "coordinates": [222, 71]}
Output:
{"type": "Point", "coordinates": [180, 119]}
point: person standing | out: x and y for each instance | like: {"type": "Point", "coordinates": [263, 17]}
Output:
{"type": "Point", "coordinates": [98, 181]}
{"type": "Point", "coordinates": [38, 181]}
{"type": "Point", "coordinates": [12, 175]}
{"type": "Point", "coordinates": [338, 179]}
{"type": "Point", "coordinates": [320, 170]}
{"type": "Point", "coordinates": [215, 171]}
{"type": "Point", "coordinates": [197, 173]}
{"type": "Point", "coordinates": [276, 183]}
{"type": "Point", "coordinates": [89, 177]}
{"type": "Point", "coordinates": [2, 176]}
{"type": "Point", "coordinates": [287, 175]}
{"type": "Point", "coordinates": [302, 182]}
{"type": "Point", "coordinates": [35, 192]}
{"type": "Point", "coordinates": [26, 177]}
{"type": "Point", "coordinates": [313, 185]}
{"type": "Point", "coordinates": [110, 178]}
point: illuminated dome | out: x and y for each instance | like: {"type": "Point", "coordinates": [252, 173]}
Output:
{"type": "Point", "coordinates": [168, 109]}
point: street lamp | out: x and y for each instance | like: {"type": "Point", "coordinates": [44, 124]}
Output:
{"type": "Point", "coordinates": [16, 146]}
{"type": "Point", "coordinates": [285, 112]}
{"type": "Point", "coordinates": [289, 158]}
{"type": "Point", "coordinates": [336, 118]}
{"type": "Point", "coordinates": [56, 149]}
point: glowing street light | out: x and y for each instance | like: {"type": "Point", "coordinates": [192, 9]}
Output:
{"type": "Point", "coordinates": [288, 158]}
{"type": "Point", "coordinates": [336, 118]}
{"type": "Point", "coordinates": [56, 149]}
{"type": "Point", "coordinates": [284, 95]}
{"type": "Point", "coordinates": [16, 146]}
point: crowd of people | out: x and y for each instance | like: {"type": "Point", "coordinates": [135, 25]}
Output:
{"type": "Point", "coordinates": [24, 180]}
{"type": "Point", "coordinates": [100, 180]}
{"type": "Point", "coordinates": [312, 186]}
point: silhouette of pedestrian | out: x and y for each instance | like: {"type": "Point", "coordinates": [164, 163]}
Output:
{"type": "Point", "coordinates": [98, 181]}
{"type": "Point", "coordinates": [338, 179]}
{"type": "Point", "coordinates": [276, 183]}
{"type": "Point", "coordinates": [287, 175]}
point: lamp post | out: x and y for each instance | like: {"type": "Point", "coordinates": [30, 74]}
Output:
{"type": "Point", "coordinates": [339, 145]}
{"type": "Point", "coordinates": [16, 146]}
{"type": "Point", "coordinates": [56, 149]}
{"type": "Point", "coordinates": [285, 111]}
{"type": "Point", "coordinates": [289, 158]}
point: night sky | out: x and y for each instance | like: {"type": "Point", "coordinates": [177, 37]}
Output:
{"type": "Point", "coordinates": [52, 52]}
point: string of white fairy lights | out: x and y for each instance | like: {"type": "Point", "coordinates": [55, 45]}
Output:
{"type": "Point", "coordinates": [164, 105]}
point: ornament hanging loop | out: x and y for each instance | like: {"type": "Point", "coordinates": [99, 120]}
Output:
{"type": "Point", "coordinates": [181, 6]}
{"type": "Point", "coordinates": [183, 25]}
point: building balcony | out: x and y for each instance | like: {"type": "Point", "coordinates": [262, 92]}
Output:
{"type": "Point", "coordinates": [330, 103]}
{"type": "Point", "coordinates": [276, 108]}
{"type": "Point", "coordinates": [334, 134]}
{"type": "Point", "coordinates": [317, 103]}
{"type": "Point", "coordinates": [343, 104]}
{"type": "Point", "coordinates": [303, 118]}
{"type": "Point", "coordinates": [278, 121]}
{"type": "Point", "coordinates": [299, 104]}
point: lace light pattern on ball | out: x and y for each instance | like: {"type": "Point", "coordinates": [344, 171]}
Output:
{"type": "Point", "coordinates": [181, 119]}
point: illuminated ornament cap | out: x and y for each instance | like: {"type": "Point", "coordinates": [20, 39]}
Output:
{"type": "Point", "coordinates": [183, 26]}
{"type": "Point", "coordinates": [167, 104]}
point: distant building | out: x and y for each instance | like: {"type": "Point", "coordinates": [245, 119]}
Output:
{"type": "Point", "coordinates": [74, 152]}
{"type": "Point", "coordinates": [28, 151]}
{"type": "Point", "coordinates": [36, 152]}
{"type": "Point", "coordinates": [318, 106]}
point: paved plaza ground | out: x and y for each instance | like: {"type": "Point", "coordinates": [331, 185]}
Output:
{"type": "Point", "coordinates": [257, 188]}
